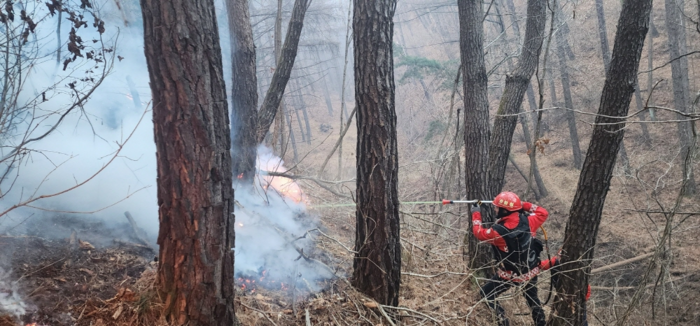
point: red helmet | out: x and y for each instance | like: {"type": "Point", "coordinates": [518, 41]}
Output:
{"type": "Point", "coordinates": [508, 201]}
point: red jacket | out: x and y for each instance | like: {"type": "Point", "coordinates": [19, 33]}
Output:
{"type": "Point", "coordinates": [537, 217]}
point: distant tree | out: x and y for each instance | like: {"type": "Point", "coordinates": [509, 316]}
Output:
{"type": "Point", "coordinates": [517, 83]}
{"type": "Point", "coordinates": [594, 180]}
{"type": "Point", "coordinates": [285, 63]}
{"type": "Point", "coordinates": [195, 194]}
{"type": "Point", "coordinates": [244, 92]}
{"type": "Point", "coordinates": [679, 74]}
{"type": "Point", "coordinates": [562, 46]}
{"type": "Point", "coordinates": [377, 263]}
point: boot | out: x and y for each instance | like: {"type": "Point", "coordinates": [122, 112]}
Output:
{"type": "Point", "coordinates": [539, 317]}
{"type": "Point", "coordinates": [503, 321]}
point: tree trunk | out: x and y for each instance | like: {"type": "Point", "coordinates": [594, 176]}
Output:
{"type": "Point", "coordinates": [514, 93]}
{"type": "Point", "coordinates": [541, 188]}
{"type": "Point", "coordinates": [477, 130]}
{"type": "Point", "coordinates": [292, 139]}
{"type": "Point", "coordinates": [650, 65]}
{"type": "Point", "coordinates": [302, 107]}
{"type": "Point", "coordinates": [278, 135]}
{"type": "Point", "coordinates": [568, 100]}
{"type": "Point", "coordinates": [195, 194]}
{"type": "Point", "coordinates": [285, 62]}
{"type": "Point", "coordinates": [603, 33]}
{"type": "Point", "coordinates": [679, 75]}
{"type": "Point", "coordinates": [244, 92]}
{"type": "Point", "coordinates": [377, 264]}
{"type": "Point", "coordinates": [605, 50]}
{"type": "Point", "coordinates": [594, 180]}
{"type": "Point", "coordinates": [642, 116]}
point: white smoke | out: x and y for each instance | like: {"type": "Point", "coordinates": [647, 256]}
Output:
{"type": "Point", "coordinates": [10, 301]}
{"type": "Point", "coordinates": [270, 230]}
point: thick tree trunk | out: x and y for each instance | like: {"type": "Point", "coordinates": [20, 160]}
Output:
{"type": "Point", "coordinates": [244, 92]}
{"type": "Point", "coordinates": [605, 51]}
{"type": "Point", "coordinates": [594, 181]}
{"type": "Point", "coordinates": [285, 62]}
{"type": "Point", "coordinates": [568, 100]}
{"type": "Point", "coordinates": [514, 93]}
{"type": "Point", "coordinates": [377, 263]}
{"type": "Point", "coordinates": [477, 130]}
{"type": "Point", "coordinates": [195, 194]}
{"type": "Point", "coordinates": [679, 75]}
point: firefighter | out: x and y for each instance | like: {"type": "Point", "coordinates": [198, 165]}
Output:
{"type": "Point", "coordinates": [517, 251]}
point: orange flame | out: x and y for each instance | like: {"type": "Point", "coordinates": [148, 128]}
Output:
{"type": "Point", "coordinates": [285, 187]}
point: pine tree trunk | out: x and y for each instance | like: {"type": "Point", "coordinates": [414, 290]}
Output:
{"type": "Point", "coordinates": [605, 50]}
{"type": "Point", "coordinates": [377, 263]}
{"type": "Point", "coordinates": [514, 93]}
{"type": "Point", "coordinates": [679, 75]}
{"type": "Point", "coordinates": [477, 130]}
{"type": "Point", "coordinates": [195, 194]}
{"type": "Point", "coordinates": [594, 180]}
{"type": "Point", "coordinates": [285, 63]}
{"type": "Point", "coordinates": [244, 92]}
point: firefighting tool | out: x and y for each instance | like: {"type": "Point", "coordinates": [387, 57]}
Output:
{"type": "Point", "coordinates": [475, 201]}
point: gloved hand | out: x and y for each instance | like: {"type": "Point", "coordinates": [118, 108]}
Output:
{"type": "Point", "coordinates": [476, 208]}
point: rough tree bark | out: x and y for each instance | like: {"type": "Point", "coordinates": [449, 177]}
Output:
{"type": "Point", "coordinates": [285, 62]}
{"type": "Point", "coordinates": [377, 263]}
{"type": "Point", "coordinates": [244, 92]}
{"type": "Point", "coordinates": [605, 50]}
{"type": "Point", "coordinates": [477, 130]}
{"type": "Point", "coordinates": [516, 85]}
{"type": "Point", "coordinates": [679, 75]}
{"type": "Point", "coordinates": [195, 194]}
{"type": "Point", "coordinates": [594, 180]}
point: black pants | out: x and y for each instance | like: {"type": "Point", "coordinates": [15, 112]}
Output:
{"type": "Point", "coordinates": [496, 286]}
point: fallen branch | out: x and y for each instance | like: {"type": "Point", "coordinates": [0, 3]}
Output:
{"type": "Point", "coordinates": [391, 322]}
{"type": "Point", "coordinates": [413, 311]}
{"type": "Point", "coordinates": [308, 318]}
{"type": "Point", "coordinates": [621, 263]}
{"type": "Point", "coordinates": [621, 288]}
{"type": "Point", "coordinates": [261, 312]}
{"type": "Point", "coordinates": [132, 244]}
{"type": "Point", "coordinates": [135, 228]}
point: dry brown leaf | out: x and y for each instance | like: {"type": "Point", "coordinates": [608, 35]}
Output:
{"type": "Point", "coordinates": [288, 311]}
{"type": "Point", "coordinates": [84, 245]}
{"type": "Point", "coordinates": [371, 304]}
{"type": "Point", "coordinates": [86, 271]}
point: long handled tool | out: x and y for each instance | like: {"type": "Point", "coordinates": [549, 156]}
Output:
{"type": "Point", "coordinates": [475, 201]}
